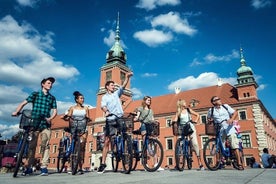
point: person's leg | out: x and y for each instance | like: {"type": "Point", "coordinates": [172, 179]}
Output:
{"type": "Point", "coordinates": [32, 149]}
{"type": "Point", "coordinates": [45, 149]}
{"type": "Point", "coordinates": [83, 139]}
{"type": "Point", "coordinates": [193, 139]}
{"type": "Point", "coordinates": [235, 145]}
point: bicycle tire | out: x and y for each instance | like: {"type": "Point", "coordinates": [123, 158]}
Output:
{"type": "Point", "coordinates": [235, 161]}
{"type": "Point", "coordinates": [152, 152]}
{"type": "Point", "coordinates": [189, 158]}
{"type": "Point", "coordinates": [127, 154]}
{"type": "Point", "coordinates": [61, 159]}
{"type": "Point", "coordinates": [179, 155]}
{"type": "Point", "coordinates": [20, 155]}
{"type": "Point", "coordinates": [212, 155]}
{"type": "Point", "coordinates": [75, 156]}
{"type": "Point", "coordinates": [115, 159]}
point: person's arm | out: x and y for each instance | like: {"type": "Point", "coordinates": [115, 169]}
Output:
{"type": "Point", "coordinates": [196, 114]}
{"type": "Point", "coordinates": [54, 114]}
{"type": "Point", "coordinates": [19, 108]}
{"type": "Point", "coordinates": [176, 116]}
{"type": "Point", "coordinates": [233, 117]}
{"type": "Point", "coordinates": [127, 79]}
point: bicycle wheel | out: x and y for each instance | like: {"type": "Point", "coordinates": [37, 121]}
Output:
{"type": "Point", "coordinates": [127, 154]}
{"type": "Point", "coordinates": [235, 161]}
{"type": "Point", "coordinates": [61, 159]}
{"type": "Point", "coordinates": [152, 155]}
{"type": "Point", "coordinates": [75, 156]}
{"type": "Point", "coordinates": [115, 159]}
{"type": "Point", "coordinates": [189, 156]}
{"type": "Point", "coordinates": [179, 155]}
{"type": "Point", "coordinates": [212, 154]}
{"type": "Point", "coordinates": [20, 154]}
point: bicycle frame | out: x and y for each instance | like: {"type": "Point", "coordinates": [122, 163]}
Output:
{"type": "Point", "coordinates": [183, 148]}
{"type": "Point", "coordinates": [72, 146]}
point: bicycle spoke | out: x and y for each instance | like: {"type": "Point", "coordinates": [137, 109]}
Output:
{"type": "Point", "coordinates": [212, 154]}
{"type": "Point", "coordinates": [152, 155]}
{"type": "Point", "coordinates": [179, 155]}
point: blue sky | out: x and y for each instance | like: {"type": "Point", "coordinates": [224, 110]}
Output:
{"type": "Point", "coordinates": [169, 43]}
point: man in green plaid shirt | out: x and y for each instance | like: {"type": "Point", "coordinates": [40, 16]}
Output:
{"type": "Point", "coordinates": [43, 111]}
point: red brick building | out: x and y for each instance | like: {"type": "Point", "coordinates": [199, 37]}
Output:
{"type": "Point", "coordinates": [257, 125]}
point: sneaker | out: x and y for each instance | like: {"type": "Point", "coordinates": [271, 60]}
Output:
{"type": "Point", "coordinates": [160, 169]}
{"type": "Point", "coordinates": [101, 168]}
{"type": "Point", "coordinates": [28, 171]}
{"type": "Point", "coordinates": [44, 172]}
{"type": "Point", "coordinates": [201, 168]}
{"type": "Point", "coordinates": [69, 172]}
{"type": "Point", "coordinates": [80, 172]}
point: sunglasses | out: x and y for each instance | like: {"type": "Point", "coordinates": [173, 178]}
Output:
{"type": "Point", "coordinates": [216, 99]}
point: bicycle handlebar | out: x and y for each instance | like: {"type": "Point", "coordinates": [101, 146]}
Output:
{"type": "Point", "coordinates": [67, 118]}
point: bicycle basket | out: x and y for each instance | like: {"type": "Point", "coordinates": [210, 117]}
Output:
{"type": "Point", "coordinates": [175, 129]}
{"type": "Point", "coordinates": [78, 125]}
{"type": "Point", "coordinates": [210, 128]}
{"type": "Point", "coordinates": [26, 119]}
{"type": "Point", "coordinates": [129, 124]}
{"type": "Point", "coordinates": [153, 128]}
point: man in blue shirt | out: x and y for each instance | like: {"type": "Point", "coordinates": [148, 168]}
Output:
{"type": "Point", "coordinates": [221, 112]}
{"type": "Point", "coordinates": [267, 159]}
{"type": "Point", "coordinates": [111, 105]}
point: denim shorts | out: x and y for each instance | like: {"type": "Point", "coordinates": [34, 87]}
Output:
{"type": "Point", "coordinates": [112, 126]}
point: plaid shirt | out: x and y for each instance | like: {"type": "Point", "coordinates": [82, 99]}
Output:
{"type": "Point", "coordinates": [42, 105]}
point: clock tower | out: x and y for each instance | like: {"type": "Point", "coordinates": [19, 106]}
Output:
{"type": "Point", "coordinates": [115, 69]}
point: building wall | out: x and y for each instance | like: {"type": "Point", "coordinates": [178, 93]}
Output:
{"type": "Point", "coordinates": [258, 126]}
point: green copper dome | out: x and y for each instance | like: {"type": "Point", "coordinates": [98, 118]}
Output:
{"type": "Point", "coordinates": [116, 52]}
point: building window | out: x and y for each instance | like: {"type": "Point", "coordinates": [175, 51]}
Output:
{"type": "Point", "coordinates": [53, 161]}
{"type": "Point", "coordinates": [169, 161]}
{"type": "Point", "coordinates": [204, 139]}
{"type": "Point", "coordinates": [56, 134]}
{"type": "Point", "coordinates": [91, 146]}
{"type": "Point", "coordinates": [203, 119]}
{"type": "Point", "coordinates": [123, 77]}
{"type": "Point", "coordinates": [168, 123]}
{"type": "Point", "coordinates": [108, 76]}
{"type": "Point", "coordinates": [242, 115]}
{"type": "Point", "coordinates": [54, 148]}
{"type": "Point", "coordinates": [246, 141]}
{"type": "Point", "coordinates": [169, 145]}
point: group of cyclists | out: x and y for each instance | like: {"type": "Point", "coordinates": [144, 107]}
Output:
{"type": "Point", "coordinates": [44, 105]}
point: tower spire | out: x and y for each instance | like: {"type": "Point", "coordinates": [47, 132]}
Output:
{"type": "Point", "coordinates": [117, 37]}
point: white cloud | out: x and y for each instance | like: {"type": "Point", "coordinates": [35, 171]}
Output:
{"type": "Point", "coordinates": [152, 4]}
{"type": "Point", "coordinates": [23, 55]}
{"type": "Point", "coordinates": [153, 38]}
{"type": "Point", "coordinates": [110, 40]}
{"type": "Point", "coordinates": [24, 62]}
{"type": "Point", "coordinates": [149, 75]}
{"type": "Point", "coordinates": [136, 93]}
{"type": "Point", "coordinates": [258, 4]}
{"type": "Point", "coordinates": [173, 21]}
{"type": "Point", "coordinates": [203, 80]}
{"type": "Point", "coordinates": [29, 3]}
{"type": "Point", "coordinates": [212, 58]}
{"type": "Point", "coordinates": [7, 131]}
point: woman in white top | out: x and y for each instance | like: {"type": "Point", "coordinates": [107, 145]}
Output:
{"type": "Point", "coordinates": [184, 114]}
{"type": "Point", "coordinates": [79, 112]}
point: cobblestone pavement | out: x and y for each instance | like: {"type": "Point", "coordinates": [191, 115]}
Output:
{"type": "Point", "coordinates": [248, 176]}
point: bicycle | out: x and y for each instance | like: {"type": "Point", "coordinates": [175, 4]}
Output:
{"type": "Point", "coordinates": [70, 150]}
{"type": "Point", "coordinates": [214, 150]}
{"type": "Point", "coordinates": [27, 124]}
{"type": "Point", "coordinates": [183, 148]}
{"type": "Point", "coordinates": [121, 146]}
{"type": "Point", "coordinates": [152, 152]}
